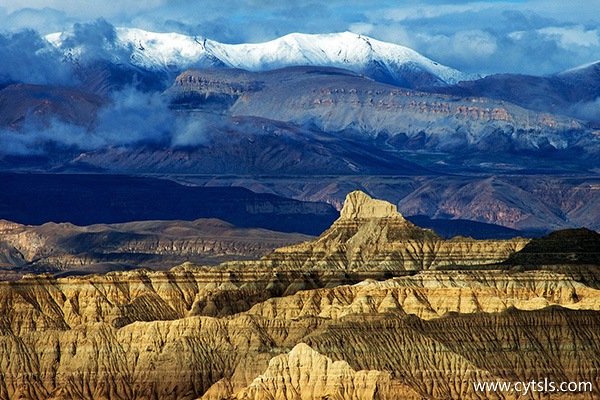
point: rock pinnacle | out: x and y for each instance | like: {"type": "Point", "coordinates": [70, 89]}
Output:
{"type": "Point", "coordinates": [359, 205]}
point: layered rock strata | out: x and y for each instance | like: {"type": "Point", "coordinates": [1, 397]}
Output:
{"type": "Point", "coordinates": [373, 234]}
{"type": "Point", "coordinates": [337, 100]}
{"type": "Point", "coordinates": [61, 340]}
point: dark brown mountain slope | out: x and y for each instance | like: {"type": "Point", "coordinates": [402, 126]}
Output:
{"type": "Point", "coordinates": [568, 246]}
{"type": "Point", "coordinates": [41, 104]}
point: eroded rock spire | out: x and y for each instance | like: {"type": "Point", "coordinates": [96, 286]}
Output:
{"type": "Point", "coordinates": [372, 234]}
{"type": "Point", "coordinates": [359, 205]}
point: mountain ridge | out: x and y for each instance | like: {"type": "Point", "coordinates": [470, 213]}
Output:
{"type": "Point", "coordinates": [66, 249]}
{"type": "Point", "coordinates": [168, 52]}
{"type": "Point", "coordinates": [396, 119]}
{"type": "Point", "coordinates": [571, 92]}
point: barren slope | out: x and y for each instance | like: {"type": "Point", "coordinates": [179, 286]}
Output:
{"type": "Point", "coordinates": [73, 249]}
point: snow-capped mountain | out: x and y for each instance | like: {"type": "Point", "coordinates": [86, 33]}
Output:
{"type": "Point", "coordinates": [381, 61]}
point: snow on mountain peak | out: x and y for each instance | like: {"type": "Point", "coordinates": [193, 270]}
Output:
{"type": "Point", "coordinates": [359, 53]}
{"type": "Point", "coordinates": [580, 68]}
{"type": "Point", "coordinates": [344, 50]}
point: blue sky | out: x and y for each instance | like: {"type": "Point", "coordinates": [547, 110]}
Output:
{"type": "Point", "coordinates": [529, 36]}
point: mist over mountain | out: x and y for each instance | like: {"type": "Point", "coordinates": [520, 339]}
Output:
{"type": "Point", "coordinates": [34, 117]}
{"type": "Point", "coordinates": [321, 121]}
{"type": "Point", "coordinates": [128, 69]}
{"type": "Point", "coordinates": [29, 58]}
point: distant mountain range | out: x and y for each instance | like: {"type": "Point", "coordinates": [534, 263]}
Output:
{"type": "Point", "coordinates": [169, 52]}
{"type": "Point", "coordinates": [470, 132]}
{"type": "Point", "coordinates": [160, 56]}
{"type": "Point", "coordinates": [68, 249]}
{"type": "Point", "coordinates": [152, 60]}
{"type": "Point", "coordinates": [571, 92]}
{"type": "Point", "coordinates": [303, 120]}
{"type": "Point", "coordinates": [335, 105]}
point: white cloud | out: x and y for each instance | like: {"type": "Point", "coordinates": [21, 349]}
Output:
{"type": "Point", "coordinates": [570, 11]}
{"type": "Point", "coordinates": [86, 9]}
{"type": "Point", "coordinates": [400, 13]}
{"type": "Point", "coordinates": [362, 28]}
{"type": "Point", "coordinates": [573, 36]}
{"type": "Point", "coordinates": [462, 48]}
{"type": "Point", "coordinates": [476, 42]}
{"type": "Point", "coordinates": [396, 33]}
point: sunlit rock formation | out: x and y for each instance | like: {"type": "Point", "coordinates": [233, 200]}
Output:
{"type": "Point", "coordinates": [373, 234]}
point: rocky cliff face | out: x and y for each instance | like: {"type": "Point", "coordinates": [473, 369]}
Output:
{"type": "Point", "coordinates": [340, 101]}
{"type": "Point", "coordinates": [373, 234]}
{"type": "Point", "coordinates": [258, 331]}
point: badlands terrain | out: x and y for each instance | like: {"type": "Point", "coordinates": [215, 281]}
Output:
{"type": "Point", "coordinates": [374, 308]}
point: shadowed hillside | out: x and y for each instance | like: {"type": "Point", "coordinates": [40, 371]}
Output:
{"type": "Point", "coordinates": [91, 199]}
